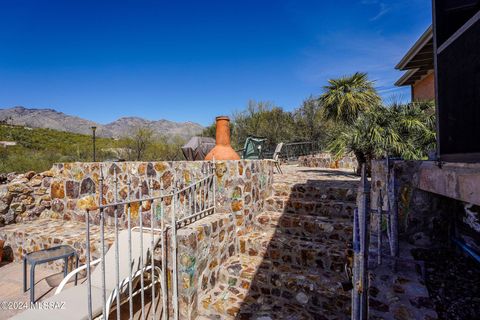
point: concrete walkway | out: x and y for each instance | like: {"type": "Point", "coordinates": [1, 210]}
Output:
{"type": "Point", "coordinates": [11, 286]}
{"type": "Point", "coordinates": [11, 290]}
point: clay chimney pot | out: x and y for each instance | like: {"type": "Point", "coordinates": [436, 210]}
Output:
{"type": "Point", "coordinates": [222, 150]}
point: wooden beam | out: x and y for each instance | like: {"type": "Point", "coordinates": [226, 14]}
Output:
{"type": "Point", "coordinates": [421, 63]}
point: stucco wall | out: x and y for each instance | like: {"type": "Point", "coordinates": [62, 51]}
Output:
{"type": "Point", "coordinates": [459, 181]}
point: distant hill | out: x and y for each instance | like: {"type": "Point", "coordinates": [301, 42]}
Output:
{"type": "Point", "coordinates": [38, 148]}
{"type": "Point", "coordinates": [52, 119]}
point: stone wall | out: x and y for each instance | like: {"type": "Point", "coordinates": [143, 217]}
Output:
{"type": "Point", "coordinates": [24, 196]}
{"type": "Point", "coordinates": [414, 206]}
{"type": "Point", "coordinates": [326, 160]}
{"type": "Point", "coordinates": [67, 189]}
{"type": "Point", "coordinates": [202, 248]}
{"type": "Point", "coordinates": [242, 188]}
{"type": "Point", "coordinates": [424, 217]}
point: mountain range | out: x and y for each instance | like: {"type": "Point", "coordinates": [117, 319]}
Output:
{"type": "Point", "coordinates": [52, 119]}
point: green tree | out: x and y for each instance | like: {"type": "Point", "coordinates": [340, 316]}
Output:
{"type": "Point", "coordinates": [165, 148]}
{"type": "Point", "coordinates": [406, 131]}
{"type": "Point", "coordinates": [137, 144]}
{"type": "Point", "coordinates": [263, 119]}
{"type": "Point", "coordinates": [347, 97]}
{"type": "Point", "coordinates": [37, 149]}
{"type": "Point", "coordinates": [310, 125]}
{"type": "Point", "coordinates": [209, 131]}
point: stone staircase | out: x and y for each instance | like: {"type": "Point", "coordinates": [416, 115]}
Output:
{"type": "Point", "coordinates": [290, 263]}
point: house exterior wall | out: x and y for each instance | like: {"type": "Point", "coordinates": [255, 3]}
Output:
{"type": "Point", "coordinates": [459, 181]}
{"type": "Point", "coordinates": [424, 89]}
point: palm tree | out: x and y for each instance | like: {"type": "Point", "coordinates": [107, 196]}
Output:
{"type": "Point", "coordinates": [406, 131]}
{"type": "Point", "coordinates": [347, 97]}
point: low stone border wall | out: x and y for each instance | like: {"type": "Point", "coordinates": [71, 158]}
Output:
{"type": "Point", "coordinates": [202, 248]}
{"type": "Point", "coordinates": [326, 160]}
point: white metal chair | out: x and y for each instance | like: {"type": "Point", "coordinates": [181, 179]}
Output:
{"type": "Point", "coordinates": [73, 302]}
{"type": "Point", "coordinates": [276, 156]}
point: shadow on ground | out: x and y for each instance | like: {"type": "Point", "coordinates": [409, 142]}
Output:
{"type": "Point", "coordinates": [293, 262]}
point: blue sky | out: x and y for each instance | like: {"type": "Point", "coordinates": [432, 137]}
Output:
{"type": "Point", "coordinates": [193, 60]}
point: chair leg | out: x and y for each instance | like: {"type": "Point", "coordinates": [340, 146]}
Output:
{"type": "Point", "coordinates": [76, 266]}
{"type": "Point", "coordinates": [279, 168]}
{"type": "Point", "coordinates": [65, 267]}
{"type": "Point", "coordinates": [24, 274]}
{"type": "Point", "coordinates": [32, 283]}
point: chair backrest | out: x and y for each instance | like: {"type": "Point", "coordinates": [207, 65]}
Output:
{"type": "Point", "coordinates": [278, 149]}
{"type": "Point", "coordinates": [124, 266]}
{"type": "Point", "coordinates": [253, 148]}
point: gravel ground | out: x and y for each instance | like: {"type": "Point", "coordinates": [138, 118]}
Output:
{"type": "Point", "coordinates": [453, 282]}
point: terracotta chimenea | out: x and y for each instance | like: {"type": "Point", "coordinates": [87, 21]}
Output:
{"type": "Point", "coordinates": [222, 150]}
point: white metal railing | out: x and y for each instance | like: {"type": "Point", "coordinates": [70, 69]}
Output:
{"type": "Point", "coordinates": [190, 204]}
{"type": "Point", "coordinates": [131, 257]}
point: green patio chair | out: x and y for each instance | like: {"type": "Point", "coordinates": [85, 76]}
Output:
{"type": "Point", "coordinates": [253, 148]}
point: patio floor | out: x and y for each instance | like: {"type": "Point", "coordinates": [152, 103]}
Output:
{"type": "Point", "coordinates": [11, 290]}
{"type": "Point", "coordinates": [11, 286]}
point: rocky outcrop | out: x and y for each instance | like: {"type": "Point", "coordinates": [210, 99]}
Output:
{"type": "Point", "coordinates": [24, 196]}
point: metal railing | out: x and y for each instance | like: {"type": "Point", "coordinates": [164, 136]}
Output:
{"type": "Point", "coordinates": [361, 237]}
{"type": "Point", "coordinates": [133, 258]}
{"type": "Point", "coordinates": [391, 217]}
{"type": "Point", "coordinates": [293, 150]}
{"type": "Point", "coordinates": [361, 242]}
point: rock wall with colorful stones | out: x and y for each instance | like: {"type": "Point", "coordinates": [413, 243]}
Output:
{"type": "Point", "coordinates": [427, 217]}
{"type": "Point", "coordinates": [326, 160]}
{"type": "Point", "coordinates": [67, 189]}
{"type": "Point", "coordinates": [202, 249]}
{"type": "Point", "coordinates": [422, 215]}
{"type": "Point", "coordinates": [24, 196]}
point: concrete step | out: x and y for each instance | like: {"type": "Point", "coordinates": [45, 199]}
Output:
{"type": "Point", "coordinates": [308, 227]}
{"type": "Point", "coordinates": [318, 207]}
{"type": "Point", "coordinates": [279, 248]}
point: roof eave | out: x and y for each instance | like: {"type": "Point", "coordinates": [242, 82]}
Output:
{"type": "Point", "coordinates": [405, 77]}
{"type": "Point", "coordinates": [419, 44]}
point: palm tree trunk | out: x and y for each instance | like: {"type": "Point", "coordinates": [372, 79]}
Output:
{"type": "Point", "coordinates": [361, 160]}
